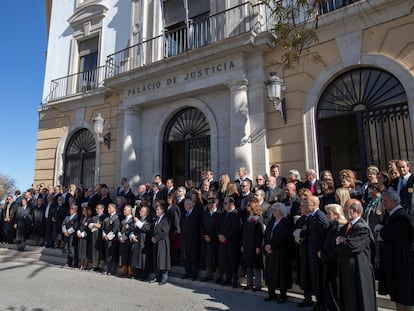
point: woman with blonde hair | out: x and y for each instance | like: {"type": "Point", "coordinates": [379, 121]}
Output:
{"type": "Point", "coordinates": [328, 257]}
{"type": "Point", "coordinates": [233, 192]}
{"type": "Point", "coordinates": [342, 195]}
{"type": "Point", "coordinates": [252, 240]}
{"type": "Point", "coordinates": [223, 188]}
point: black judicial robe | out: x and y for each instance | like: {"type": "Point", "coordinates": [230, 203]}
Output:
{"type": "Point", "coordinates": [398, 257]}
{"type": "Point", "coordinates": [356, 274]}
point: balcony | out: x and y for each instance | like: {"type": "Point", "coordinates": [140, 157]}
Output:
{"type": "Point", "coordinates": [207, 29]}
{"type": "Point", "coordinates": [77, 83]}
{"type": "Point", "coordinates": [238, 20]}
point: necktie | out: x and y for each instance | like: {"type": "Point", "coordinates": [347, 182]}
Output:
{"type": "Point", "coordinates": [348, 228]}
{"type": "Point", "coordinates": [312, 188]}
{"type": "Point", "coordinates": [187, 214]}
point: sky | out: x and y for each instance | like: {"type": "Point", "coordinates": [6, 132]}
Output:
{"type": "Point", "coordinates": [24, 43]}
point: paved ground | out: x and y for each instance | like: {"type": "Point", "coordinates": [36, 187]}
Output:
{"type": "Point", "coordinates": [27, 284]}
{"type": "Point", "coordinates": [36, 280]}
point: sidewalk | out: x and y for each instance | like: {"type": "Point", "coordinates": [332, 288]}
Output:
{"type": "Point", "coordinates": [54, 256]}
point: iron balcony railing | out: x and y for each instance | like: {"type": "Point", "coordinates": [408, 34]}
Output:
{"type": "Point", "coordinates": [77, 83]}
{"type": "Point", "coordinates": [240, 19]}
{"type": "Point", "coordinates": [200, 32]}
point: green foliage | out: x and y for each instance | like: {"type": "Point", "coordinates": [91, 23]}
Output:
{"type": "Point", "coordinates": [294, 29]}
{"type": "Point", "coordinates": [7, 186]}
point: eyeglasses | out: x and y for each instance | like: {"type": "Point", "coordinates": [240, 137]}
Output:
{"type": "Point", "coordinates": [211, 202]}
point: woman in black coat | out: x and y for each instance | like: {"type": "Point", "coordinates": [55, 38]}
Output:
{"type": "Point", "coordinates": [174, 214]}
{"type": "Point", "coordinates": [84, 238]}
{"type": "Point", "coordinates": [328, 257]}
{"type": "Point", "coordinates": [252, 242]}
{"type": "Point", "coordinates": [278, 266]}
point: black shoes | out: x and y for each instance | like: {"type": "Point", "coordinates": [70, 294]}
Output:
{"type": "Point", "coordinates": [270, 298]}
{"type": "Point", "coordinates": [185, 276]}
{"type": "Point", "coordinates": [247, 287]}
{"type": "Point", "coordinates": [305, 303]}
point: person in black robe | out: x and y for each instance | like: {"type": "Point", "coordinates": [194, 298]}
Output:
{"type": "Point", "coordinates": [83, 234]}
{"type": "Point", "coordinates": [97, 243]}
{"type": "Point", "coordinates": [22, 224]}
{"type": "Point", "coordinates": [209, 241]}
{"type": "Point", "coordinates": [38, 232]}
{"type": "Point", "coordinates": [70, 226]}
{"type": "Point", "coordinates": [252, 242]}
{"type": "Point", "coordinates": [141, 244]}
{"type": "Point", "coordinates": [228, 233]}
{"type": "Point", "coordinates": [356, 274]}
{"type": "Point", "coordinates": [397, 234]}
{"type": "Point", "coordinates": [160, 238]}
{"type": "Point", "coordinates": [50, 211]}
{"type": "Point", "coordinates": [58, 215]}
{"type": "Point", "coordinates": [278, 265]}
{"type": "Point", "coordinates": [300, 234]}
{"type": "Point", "coordinates": [174, 214]}
{"type": "Point", "coordinates": [191, 238]}
{"type": "Point", "coordinates": [111, 227]}
{"type": "Point", "coordinates": [124, 243]}
{"type": "Point", "coordinates": [318, 228]}
{"type": "Point", "coordinates": [328, 257]}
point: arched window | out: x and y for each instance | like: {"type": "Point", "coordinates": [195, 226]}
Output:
{"type": "Point", "coordinates": [80, 159]}
{"type": "Point", "coordinates": [363, 120]}
{"type": "Point", "coordinates": [186, 146]}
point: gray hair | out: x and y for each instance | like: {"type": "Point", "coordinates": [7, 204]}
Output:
{"type": "Point", "coordinates": [281, 207]}
{"type": "Point", "coordinates": [295, 173]}
{"type": "Point", "coordinates": [393, 196]}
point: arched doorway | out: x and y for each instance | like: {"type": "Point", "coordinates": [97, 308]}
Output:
{"type": "Point", "coordinates": [363, 119]}
{"type": "Point", "coordinates": [80, 159]}
{"type": "Point", "coordinates": [186, 146]}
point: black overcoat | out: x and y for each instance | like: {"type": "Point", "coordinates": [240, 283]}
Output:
{"type": "Point", "coordinates": [398, 257]}
{"type": "Point", "coordinates": [356, 274]}
{"type": "Point", "coordinates": [278, 265]}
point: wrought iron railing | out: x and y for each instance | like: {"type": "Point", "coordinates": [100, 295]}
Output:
{"type": "Point", "coordinates": [235, 21]}
{"type": "Point", "coordinates": [77, 83]}
{"type": "Point", "coordinates": [229, 23]}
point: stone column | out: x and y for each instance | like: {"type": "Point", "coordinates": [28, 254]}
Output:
{"type": "Point", "coordinates": [239, 148]}
{"type": "Point", "coordinates": [129, 147]}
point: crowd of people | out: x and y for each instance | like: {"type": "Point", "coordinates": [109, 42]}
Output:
{"type": "Point", "coordinates": [333, 240]}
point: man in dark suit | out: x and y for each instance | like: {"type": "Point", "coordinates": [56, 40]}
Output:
{"type": "Point", "coordinates": [210, 178]}
{"type": "Point", "coordinates": [275, 172]}
{"type": "Point", "coordinates": [273, 192]}
{"type": "Point", "coordinates": [264, 206]}
{"type": "Point", "coordinates": [313, 184]}
{"type": "Point", "coordinates": [169, 188]}
{"type": "Point", "coordinates": [292, 200]}
{"type": "Point", "coordinates": [318, 228]}
{"type": "Point", "coordinates": [245, 196]}
{"type": "Point", "coordinates": [228, 233]}
{"type": "Point", "coordinates": [69, 226]}
{"type": "Point", "coordinates": [111, 227]}
{"type": "Point", "coordinates": [191, 238]}
{"type": "Point", "coordinates": [242, 172]}
{"type": "Point", "coordinates": [397, 234]}
{"type": "Point", "coordinates": [155, 194]}
{"type": "Point", "coordinates": [128, 195]}
{"type": "Point", "coordinates": [356, 274]}
{"type": "Point", "coordinates": [406, 187]}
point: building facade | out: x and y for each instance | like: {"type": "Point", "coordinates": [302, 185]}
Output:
{"type": "Point", "coordinates": [181, 88]}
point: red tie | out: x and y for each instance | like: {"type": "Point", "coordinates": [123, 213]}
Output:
{"type": "Point", "coordinates": [348, 228]}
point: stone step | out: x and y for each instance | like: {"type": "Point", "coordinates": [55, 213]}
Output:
{"type": "Point", "coordinates": [55, 257]}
